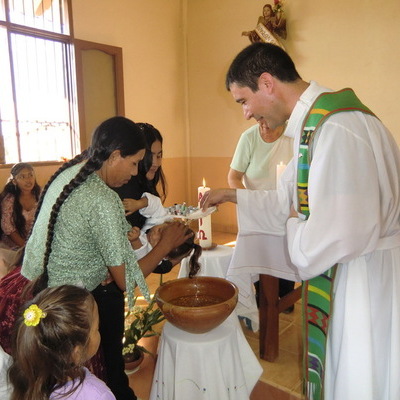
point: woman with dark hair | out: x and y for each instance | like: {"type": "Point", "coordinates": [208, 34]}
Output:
{"type": "Point", "coordinates": [18, 202]}
{"type": "Point", "coordinates": [80, 237]}
{"type": "Point", "coordinates": [150, 178]}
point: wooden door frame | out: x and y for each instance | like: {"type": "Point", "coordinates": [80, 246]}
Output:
{"type": "Point", "coordinates": [116, 53]}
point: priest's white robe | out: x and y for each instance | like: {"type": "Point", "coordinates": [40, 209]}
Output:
{"type": "Point", "coordinates": [354, 200]}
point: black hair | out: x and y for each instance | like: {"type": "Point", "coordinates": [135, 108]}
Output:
{"type": "Point", "coordinates": [12, 188]}
{"type": "Point", "coordinates": [185, 249]}
{"type": "Point", "coordinates": [116, 133]}
{"type": "Point", "coordinates": [43, 354]}
{"type": "Point", "coordinates": [151, 135]}
{"type": "Point", "coordinates": [256, 59]}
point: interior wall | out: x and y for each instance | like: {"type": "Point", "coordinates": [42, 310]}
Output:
{"type": "Point", "coordinates": [176, 54]}
{"type": "Point", "coordinates": [151, 34]}
{"type": "Point", "coordinates": [344, 43]}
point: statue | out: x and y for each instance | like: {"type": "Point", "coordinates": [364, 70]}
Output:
{"type": "Point", "coordinates": [270, 26]}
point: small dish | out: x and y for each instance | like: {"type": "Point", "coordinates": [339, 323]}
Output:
{"type": "Point", "coordinates": [197, 214]}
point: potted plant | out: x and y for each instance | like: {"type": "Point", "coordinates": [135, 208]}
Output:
{"type": "Point", "coordinates": [140, 322]}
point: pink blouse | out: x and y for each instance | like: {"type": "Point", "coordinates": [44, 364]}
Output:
{"type": "Point", "coordinates": [7, 224]}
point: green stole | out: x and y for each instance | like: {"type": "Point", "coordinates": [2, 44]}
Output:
{"type": "Point", "coordinates": [317, 292]}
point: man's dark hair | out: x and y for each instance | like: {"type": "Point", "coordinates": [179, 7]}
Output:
{"type": "Point", "coordinates": [256, 59]}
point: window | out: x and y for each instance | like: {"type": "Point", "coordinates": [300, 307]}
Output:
{"type": "Point", "coordinates": [38, 106]}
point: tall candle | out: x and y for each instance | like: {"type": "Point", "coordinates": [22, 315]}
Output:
{"type": "Point", "coordinates": [204, 234]}
{"type": "Point", "coordinates": [279, 170]}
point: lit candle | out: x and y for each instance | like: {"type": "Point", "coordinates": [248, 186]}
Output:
{"type": "Point", "coordinates": [279, 170]}
{"type": "Point", "coordinates": [204, 234]}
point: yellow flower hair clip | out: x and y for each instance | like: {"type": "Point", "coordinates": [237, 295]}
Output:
{"type": "Point", "coordinates": [33, 314]}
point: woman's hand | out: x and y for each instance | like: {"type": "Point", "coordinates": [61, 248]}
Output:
{"type": "Point", "coordinates": [132, 205]}
{"type": "Point", "coordinates": [173, 235]}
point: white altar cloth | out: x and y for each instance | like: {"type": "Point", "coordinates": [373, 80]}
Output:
{"type": "Point", "coordinates": [213, 262]}
{"type": "Point", "coordinates": [216, 365]}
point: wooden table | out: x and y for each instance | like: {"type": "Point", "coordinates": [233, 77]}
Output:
{"type": "Point", "coordinates": [270, 308]}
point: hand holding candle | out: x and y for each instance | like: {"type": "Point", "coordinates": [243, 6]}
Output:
{"type": "Point", "coordinates": [204, 234]}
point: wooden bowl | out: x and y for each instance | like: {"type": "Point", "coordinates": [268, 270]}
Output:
{"type": "Point", "coordinates": [198, 304]}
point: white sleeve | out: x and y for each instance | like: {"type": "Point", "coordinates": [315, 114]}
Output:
{"type": "Point", "coordinates": [154, 207]}
{"type": "Point", "coordinates": [266, 211]}
{"type": "Point", "coordinates": [344, 194]}
{"type": "Point", "coordinates": [146, 247]}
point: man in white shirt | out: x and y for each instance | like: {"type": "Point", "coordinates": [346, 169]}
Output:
{"type": "Point", "coordinates": [354, 205]}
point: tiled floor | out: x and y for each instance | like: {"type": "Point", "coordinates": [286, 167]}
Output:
{"type": "Point", "coordinates": [281, 380]}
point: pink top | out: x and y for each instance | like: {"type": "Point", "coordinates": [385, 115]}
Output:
{"type": "Point", "coordinates": [7, 224]}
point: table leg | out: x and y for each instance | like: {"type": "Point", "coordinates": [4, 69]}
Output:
{"type": "Point", "coordinates": [269, 317]}
{"type": "Point", "coordinates": [270, 307]}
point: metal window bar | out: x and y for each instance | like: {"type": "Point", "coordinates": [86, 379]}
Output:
{"type": "Point", "coordinates": [38, 85]}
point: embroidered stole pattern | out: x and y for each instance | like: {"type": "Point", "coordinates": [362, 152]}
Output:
{"type": "Point", "coordinates": [317, 292]}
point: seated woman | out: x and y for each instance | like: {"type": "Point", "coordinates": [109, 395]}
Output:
{"type": "Point", "coordinates": [18, 202]}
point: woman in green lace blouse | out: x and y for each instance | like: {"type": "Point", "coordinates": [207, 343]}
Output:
{"type": "Point", "coordinates": [80, 235]}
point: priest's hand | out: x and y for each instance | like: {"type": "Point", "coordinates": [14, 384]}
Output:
{"type": "Point", "coordinates": [217, 196]}
{"type": "Point", "coordinates": [293, 212]}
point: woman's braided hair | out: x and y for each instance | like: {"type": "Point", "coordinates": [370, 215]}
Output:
{"type": "Point", "coordinates": [117, 133]}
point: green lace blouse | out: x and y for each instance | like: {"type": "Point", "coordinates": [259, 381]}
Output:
{"type": "Point", "coordinates": [90, 235]}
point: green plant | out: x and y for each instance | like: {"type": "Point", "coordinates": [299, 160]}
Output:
{"type": "Point", "coordinates": [143, 321]}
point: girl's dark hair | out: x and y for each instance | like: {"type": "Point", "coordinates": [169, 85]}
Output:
{"type": "Point", "coordinates": [256, 59]}
{"type": "Point", "coordinates": [12, 188]}
{"type": "Point", "coordinates": [43, 354]}
{"type": "Point", "coordinates": [184, 249]}
{"type": "Point", "coordinates": [151, 135]}
{"type": "Point", "coordinates": [117, 133]}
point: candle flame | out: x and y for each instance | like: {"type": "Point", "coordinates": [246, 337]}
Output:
{"type": "Point", "coordinates": [204, 182]}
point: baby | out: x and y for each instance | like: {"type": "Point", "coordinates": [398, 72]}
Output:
{"type": "Point", "coordinates": [142, 242]}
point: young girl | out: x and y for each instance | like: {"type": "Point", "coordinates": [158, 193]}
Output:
{"type": "Point", "coordinates": [18, 202]}
{"type": "Point", "coordinates": [55, 334]}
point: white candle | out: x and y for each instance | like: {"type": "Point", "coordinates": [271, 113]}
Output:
{"type": "Point", "coordinates": [279, 170]}
{"type": "Point", "coordinates": [204, 234]}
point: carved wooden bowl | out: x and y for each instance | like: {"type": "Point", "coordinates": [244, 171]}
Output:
{"type": "Point", "coordinates": [198, 304]}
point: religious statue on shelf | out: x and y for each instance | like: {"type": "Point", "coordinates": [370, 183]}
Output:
{"type": "Point", "coordinates": [271, 25]}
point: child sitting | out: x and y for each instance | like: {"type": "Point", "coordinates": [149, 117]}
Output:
{"type": "Point", "coordinates": [55, 335]}
{"type": "Point", "coordinates": [18, 202]}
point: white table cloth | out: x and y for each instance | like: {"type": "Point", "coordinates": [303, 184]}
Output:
{"type": "Point", "coordinates": [216, 365]}
{"type": "Point", "coordinates": [213, 262]}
